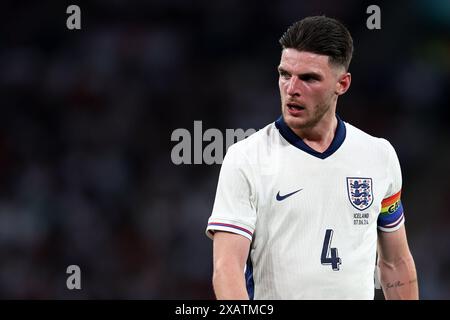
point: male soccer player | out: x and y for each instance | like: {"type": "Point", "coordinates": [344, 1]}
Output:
{"type": "Point", "coordinates": [303, 204]}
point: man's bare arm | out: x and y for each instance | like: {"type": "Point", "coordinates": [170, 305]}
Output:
{"type": "Point", "coordinates": [230, 255]}
{"type": "Point", "coordinates": [396, 266]}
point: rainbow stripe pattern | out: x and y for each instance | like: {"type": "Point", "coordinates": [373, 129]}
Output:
{"type": "Point", "coordinates": [391, 215]}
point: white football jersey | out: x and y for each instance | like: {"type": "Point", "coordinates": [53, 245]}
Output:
{"type": "Point", "coordinates": [312, 217]}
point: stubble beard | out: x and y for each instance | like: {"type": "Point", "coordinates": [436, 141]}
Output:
{"type": "Point", "coordinates": [311, 121]}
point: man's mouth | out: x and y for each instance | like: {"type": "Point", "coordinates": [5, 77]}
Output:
{"type": "Point", "coordinates": [295, 106]}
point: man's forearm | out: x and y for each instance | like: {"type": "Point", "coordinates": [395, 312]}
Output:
{"type": "Point", "coordinates": [399, 279]}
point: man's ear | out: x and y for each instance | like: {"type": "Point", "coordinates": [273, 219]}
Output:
{"type": "Point", "coordinates": [343, 84]}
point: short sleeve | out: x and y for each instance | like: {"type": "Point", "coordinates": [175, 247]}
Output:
{"type": "Point", "coordinates": [234, 207]}
{"type": "Point", "coordinates": [391, 217]}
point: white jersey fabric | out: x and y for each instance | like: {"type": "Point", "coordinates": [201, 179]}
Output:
{"type": "Point", "coordinates": [311, 217]}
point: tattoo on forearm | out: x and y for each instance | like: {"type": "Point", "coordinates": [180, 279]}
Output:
{"type": "Point", "coordinates": [398, 284]}
{"type": "Point", "coordinates": [395, 284]}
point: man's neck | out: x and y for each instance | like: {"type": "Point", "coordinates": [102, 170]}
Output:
{"type": "Point", "coordinates": [320, 136]}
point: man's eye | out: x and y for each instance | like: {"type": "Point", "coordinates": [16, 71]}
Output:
{"type": "Point", "coordinates": [285, 75]}
{"type": "Point", "coordinates": [308, 79]}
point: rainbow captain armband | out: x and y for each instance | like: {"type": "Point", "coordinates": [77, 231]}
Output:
{"type": "Point", "coordinates": [391, 215]}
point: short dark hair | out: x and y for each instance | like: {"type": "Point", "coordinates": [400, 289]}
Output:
{"type": "Point", "coordinates": [321, 35]}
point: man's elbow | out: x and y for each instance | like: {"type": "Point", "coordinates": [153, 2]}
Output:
{"type": "Point", "coordinates": [229, 281]}
{"type": "Point", "coordinates": [396, 263]}
{"type": "Point", "coordinates": [224, 270]}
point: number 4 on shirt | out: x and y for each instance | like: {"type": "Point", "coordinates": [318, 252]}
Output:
{"type": "Point", "coordinates": [330, 255]}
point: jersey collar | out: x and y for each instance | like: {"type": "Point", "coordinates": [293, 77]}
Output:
{"type": "Point", "coordinates": [296, 141]}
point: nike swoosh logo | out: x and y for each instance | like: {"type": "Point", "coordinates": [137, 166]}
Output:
{"type": "Point", "coordinates": [280, 198]}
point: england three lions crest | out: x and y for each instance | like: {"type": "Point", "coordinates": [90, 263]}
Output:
{"type": "Point", "coordinates": [360, 192]}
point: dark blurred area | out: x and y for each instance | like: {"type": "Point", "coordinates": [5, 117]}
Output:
{"type": "Point", "coordinates": [86, 176]}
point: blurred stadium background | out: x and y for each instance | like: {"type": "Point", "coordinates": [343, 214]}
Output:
{"type": "Point", "coordinates": [86, 118]}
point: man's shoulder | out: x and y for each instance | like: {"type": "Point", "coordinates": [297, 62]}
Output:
{"type": "Point", "coordinates": [362, 138]}
{"type": "Point", "coordinates": [254, 150]}
{"type": "Point", "coordinates": [261, 137]}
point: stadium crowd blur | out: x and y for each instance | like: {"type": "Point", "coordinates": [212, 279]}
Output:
{"type": "Point", "coordinates": [86, 175]}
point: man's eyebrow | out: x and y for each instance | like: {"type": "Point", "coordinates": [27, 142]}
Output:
{"type": "Point", "coordinates": [310, 74]}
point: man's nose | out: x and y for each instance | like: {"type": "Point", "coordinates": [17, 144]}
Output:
{"type": "Point", "coordinates": [293, 87]}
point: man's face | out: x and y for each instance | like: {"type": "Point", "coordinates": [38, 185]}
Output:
{"type": "Point", "coordinates": [308, 87]}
